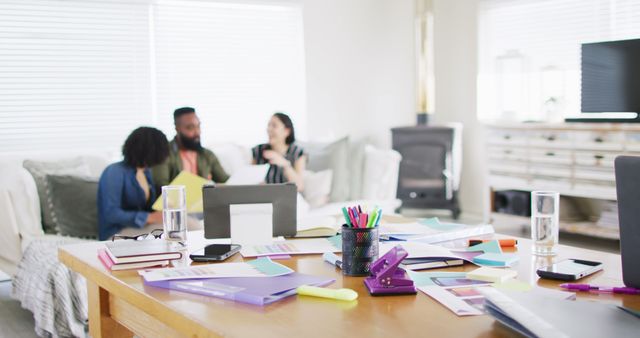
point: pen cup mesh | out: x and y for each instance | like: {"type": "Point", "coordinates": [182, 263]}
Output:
{"type": "Point", "coordinates": [359, 250]}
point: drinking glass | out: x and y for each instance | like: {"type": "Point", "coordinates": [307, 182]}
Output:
{"type": "Point", "coordinates": [174, 214]}
{"type": "Point", "coordinates": [545, 222]}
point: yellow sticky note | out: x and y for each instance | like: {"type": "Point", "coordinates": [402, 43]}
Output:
{"type": "Point", "coordinates": [193, 189]}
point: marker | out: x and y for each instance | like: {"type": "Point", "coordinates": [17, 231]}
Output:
{"type": "Point", "coordinates": [339, 294]}
{"type": "Point", "coordinates": [347, 218]}
{"type": "Point", "coordinates": [333, 259]}
{"type": "Point", "coordinates": [502, 242]}
{"type": "Point", "coordinates": [600, 289]}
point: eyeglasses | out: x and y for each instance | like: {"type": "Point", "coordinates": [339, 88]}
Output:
{"type": "Point", "coordinates": [154, 234]}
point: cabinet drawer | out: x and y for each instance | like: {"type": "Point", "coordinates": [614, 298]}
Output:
{"type": "Point", "coordinates": [507, 137]}
{"type": "Point", "coordinates": [632, 140]}
{"type": "Point", "coordinates": [550, 156]}
{"type": "Point", "coordinates": [550, 170]}
{"type": "Point", "coordinates": [595, 158]}
{"type": "Point", "coordinates": [507, 154]}
{"type": "Point", "coordinates": [507, 167]}
{"type": "Point", "coordinates": [598, 140]}
{"type": "Point", "coordinates": [550, 139]}
{"type": "Point", "coordinates": [591, 173]}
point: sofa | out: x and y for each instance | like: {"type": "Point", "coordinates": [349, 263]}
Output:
{"type": "Point", "coordinates": [359, 174]}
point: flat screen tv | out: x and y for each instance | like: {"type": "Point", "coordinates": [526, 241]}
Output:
{"type": "Point", "coordinates": [611, 78]}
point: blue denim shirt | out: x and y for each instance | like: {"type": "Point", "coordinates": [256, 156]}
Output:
{"type": "Point", "coordinates": [121, 200]}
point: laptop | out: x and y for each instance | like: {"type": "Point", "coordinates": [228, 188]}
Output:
{"type": "Point", "coordinates": [628, 190]}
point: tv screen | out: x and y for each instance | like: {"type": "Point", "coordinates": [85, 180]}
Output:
{"type": "Point", "coordinates": [611, 76]}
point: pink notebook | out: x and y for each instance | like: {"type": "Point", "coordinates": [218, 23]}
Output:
{"type": "Point", "coordinates": [109, 264]}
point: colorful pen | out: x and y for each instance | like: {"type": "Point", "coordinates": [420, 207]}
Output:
{"type": "Point", "coordinates": [603, 289]}
{"type": "Point", "coordinates": [502, 242]}
{"type": "Point", "coordinates": [347, 218]}
{"type": "Point", "coordinates": [332, 258]}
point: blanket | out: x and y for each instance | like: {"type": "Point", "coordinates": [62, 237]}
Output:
{"type": "Point", "coordinates": [56, 295]}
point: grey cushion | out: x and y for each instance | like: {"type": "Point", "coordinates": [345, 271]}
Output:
{"type": "Point", "coordinates": [40, 170]}
{"type": "Point", "coordinates": [334, 156]}
{"type": "Point", "coordinates": [75, 205]}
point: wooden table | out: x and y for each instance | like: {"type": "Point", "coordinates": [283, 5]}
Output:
{"type": "Point", "coordinates": [119, 303]}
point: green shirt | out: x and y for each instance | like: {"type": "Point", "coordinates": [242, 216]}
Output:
{"type": "Point", "coordinates": [208, 167]}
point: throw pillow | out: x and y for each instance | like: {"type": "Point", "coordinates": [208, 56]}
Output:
{"type": "Point", "coordinates": [317, 187]}
{"type": "Point", "coordinates": [75, 205]}
{"type": "Point", "coordinates": [334, 156]}
{"type": "Point", "coordinates": [40, 170]}
{"type": "Point", "coordinates": [380, 174]}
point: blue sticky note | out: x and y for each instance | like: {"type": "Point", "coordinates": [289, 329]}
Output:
{"type": "Point", "coordinates": [336, 241]}
{"type": "Point", "coordinates": [434, 223]}
{"type": "Point", "coordinates": [269, 268]}
{"type": "Point", "coordinates": [496, 259]}
{"type": "Point", "coordinates": [425, 278]}
{"type": "Point", "coordinates": [488, 247]}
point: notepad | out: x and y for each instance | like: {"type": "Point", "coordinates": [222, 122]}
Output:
{"type": "Point", "coordinates": [495, 259]}
{"type": "Point", "coordinates": [492, 275]}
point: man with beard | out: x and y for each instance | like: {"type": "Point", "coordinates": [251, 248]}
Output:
{"type": "Point", "coordinates": [186, 153]}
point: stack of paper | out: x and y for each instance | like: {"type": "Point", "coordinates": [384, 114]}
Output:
{"type": "Point", "coordinates": [432, 231]}
{"type": "Point", "coordinates": [491, 274]}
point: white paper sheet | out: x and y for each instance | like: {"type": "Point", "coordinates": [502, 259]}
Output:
{"type": "Point", "coordinates": [251, 174]}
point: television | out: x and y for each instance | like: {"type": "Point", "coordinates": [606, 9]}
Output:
{"type": "Point", "coordinates": [611, 79]}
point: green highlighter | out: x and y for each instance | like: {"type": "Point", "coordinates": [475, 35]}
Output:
{"type": "Point", "coordinates": [339, 294]}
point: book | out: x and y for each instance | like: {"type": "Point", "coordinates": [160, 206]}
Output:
{"type": "Point", "coordinates": [193, 189]}
{"type": "Point", "coordinates": [317, 226]}
{"type": "Point", "coordinates": [416, 264]}
{"type": "Point", "coordinates": [124, 251]}
{"type": "Point", "coordinates": [251, 290]}
{"type": "Point", "coordinates": [109, 264]}
{"type": "Point", "coordinates": [492, 275]}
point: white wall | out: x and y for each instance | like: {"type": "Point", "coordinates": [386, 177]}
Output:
{"type": "Point", "coordinates": [455, 30]}
{"type": "Point", "coordinates": [360, 66]}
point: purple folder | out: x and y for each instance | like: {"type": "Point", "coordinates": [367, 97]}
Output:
{"type": "Point", "coordinates": [252, 290]}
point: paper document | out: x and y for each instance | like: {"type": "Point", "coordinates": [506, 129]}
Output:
{"type": "Point", "coordinates": [295, 247]}
{"type": "Point", "coordinates": [261, 267]}
{"type": "Point", "coordinates": [193, 189]}
{"type": "Point", "coordinates": [432, 231]}
{"type": "Point", "coordinates": [250, 174]}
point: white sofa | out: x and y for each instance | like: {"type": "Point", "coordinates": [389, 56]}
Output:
{"type": "Point", "coordinates": [372, 179]}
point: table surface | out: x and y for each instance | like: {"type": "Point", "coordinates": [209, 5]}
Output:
{"type": "Point", "coordinates": [302, 316]}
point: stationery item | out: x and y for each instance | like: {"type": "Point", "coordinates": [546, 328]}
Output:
{"type": "Point", "coordinates": [432, 231]}
{"type": "Point", "coordinates": [535, 316]}
{"type": "Point", "coordinates": [257, 291]}
{"type": "Point", "coordinates": [109, 264]}
{"type": "Point", "coordinates": [428, 254]}
{"type": "Point", "coordinates": [496, 259]}
{"type": "Point", "coordinates": [261, 267]}
{"type": "Point", "coordinates": [333, 259]}
{"type": "Point", "coordinates": [294, 247]}
{"type": "Point", "coordinates": [317, 226]}
{"type": "Point", "coordinates": [492, 275]}
{"type": "Point", "coordinates": [359, 249]}
{"type": "Point", "coordinates": [503, 242]}
{"type": "Point", "coordinates": [415, 264]}
{"type": "Point", "coordinates": [456, 292]}
{"type": "Point", "coordinates": [249, 174]}
{"type": "Point", "coordinates": [339, 294]}
{"type": "Point", "coordinates": [355, 217]}
{"type": "Point", "coordinates": [488, 247]}
{"type": "Point", "coordinates": [600, 289]}
{"type": "Point", "coordinates": [140, 251]}
{"type": "Point", "coordinates": [387, 278]}
{"type": "Point", "coordinates": [193, 188]}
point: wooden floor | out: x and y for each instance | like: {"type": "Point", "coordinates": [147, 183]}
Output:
{"type": "Point", "coordinates": [14, 320]}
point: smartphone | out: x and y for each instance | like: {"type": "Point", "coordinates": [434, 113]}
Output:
{"type": "Point", "coordinates": [214, 252]}
{"type": "Point", "coordinates": [570, 269]}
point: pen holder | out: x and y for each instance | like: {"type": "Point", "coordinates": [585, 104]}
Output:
{"type": "Point", "coordinates": [359, 250]}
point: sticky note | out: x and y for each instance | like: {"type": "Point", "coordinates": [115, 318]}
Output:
{"type": "Point", "coordinates": [487, 247]}
{"type": "Point", "coordinates": [492, 275]}
{"type": "Point", "coordinates": [496, 259]}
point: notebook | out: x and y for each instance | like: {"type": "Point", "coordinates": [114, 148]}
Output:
{"type": "Point", "coordinates": [535, 316]}
{"type": "Point", "coordinates": [317, 226]}
{"type": "Point", "coordinates": [109, 264]}
{"type": "Point", "coordinates": [251, 290]}
{"type": "Point", "coordinates": [126, 251]}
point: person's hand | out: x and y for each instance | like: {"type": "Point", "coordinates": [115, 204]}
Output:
{"type": "Point", "coordinates": [276, 158]}
{"type": "Point", "coordinates": [154, 217]}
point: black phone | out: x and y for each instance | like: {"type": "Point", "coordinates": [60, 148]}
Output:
{"type": "Point", "coordinates": [570, 269]}
{"type": "Point", "coordinates": [215, 252]}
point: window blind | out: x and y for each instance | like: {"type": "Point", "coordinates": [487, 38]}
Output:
{"type": "Point", "coordinates": [73, 74]}
{"type": "Point", "coordinates": [236, 63]}
{"type": "Point", "coordinates": [529, 53]}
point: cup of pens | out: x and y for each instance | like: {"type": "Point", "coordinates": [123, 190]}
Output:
{"type": "Point", "coordinates": [359, 240]}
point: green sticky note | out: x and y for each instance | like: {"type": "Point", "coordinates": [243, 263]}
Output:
{"type": "Point", "coordinates": [487, 247]}
{"type": "Point", "coordinates": [425, 278]}
{"type": "Point", "coordinates": [336, 241]}
{"type": "Point", "coordinates": [495, 259]}
{"type": "Point", "coordinates": [513, 285]}
{"type": "Point", "coordinates": [434, 223]}
{"type": "Point", "coordinates": [268, 267]}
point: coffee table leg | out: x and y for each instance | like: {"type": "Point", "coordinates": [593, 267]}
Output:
{"type": "Point", "coordinates": [100, 322]}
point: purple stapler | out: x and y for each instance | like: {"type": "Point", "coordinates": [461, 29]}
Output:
{"type": "Point", "coordinates": [387, 278]}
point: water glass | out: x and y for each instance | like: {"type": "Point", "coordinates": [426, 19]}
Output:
{"type": "Point", "coordinates": [545, 222]}
{"type": "Point", "coordinates": [174, 214]}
